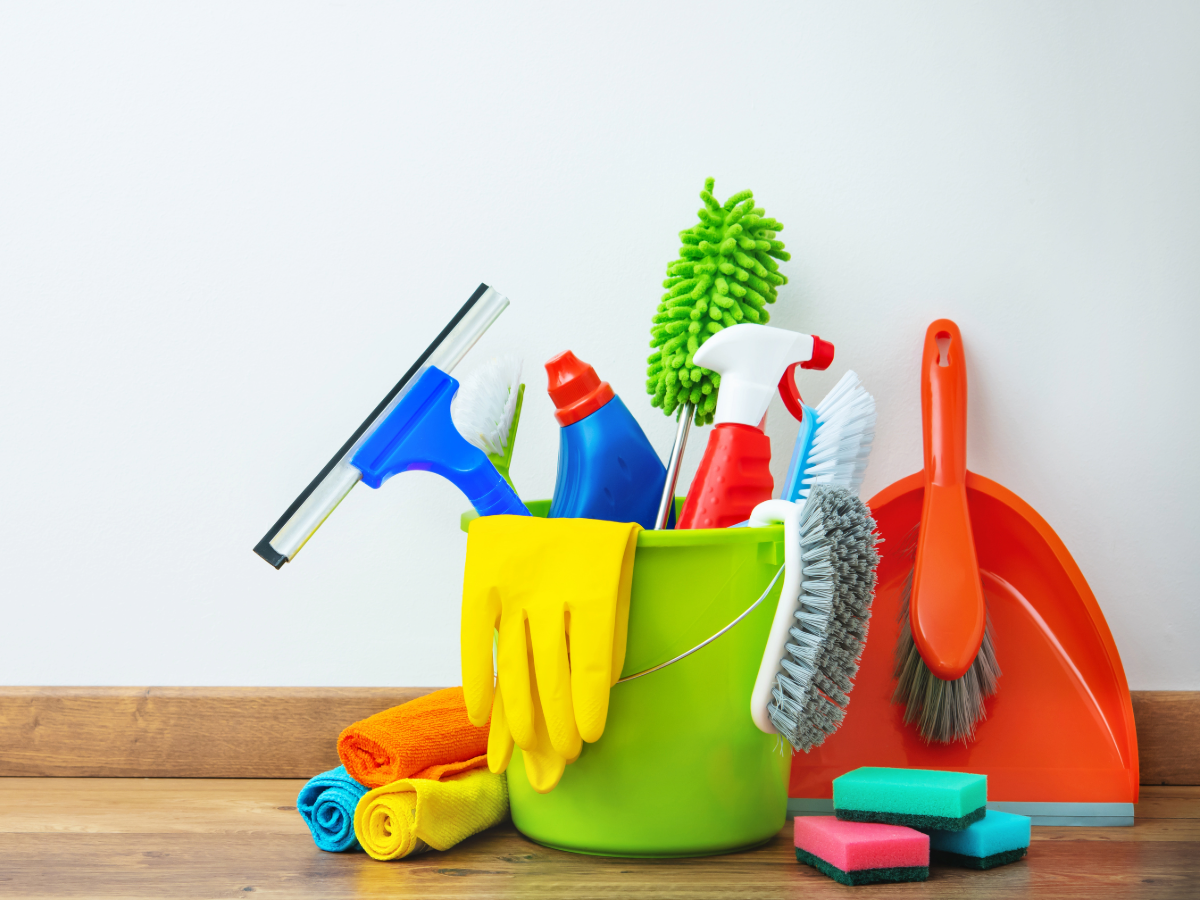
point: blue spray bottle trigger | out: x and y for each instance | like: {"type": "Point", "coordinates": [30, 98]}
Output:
{"type": "Point", "coordinates": [419, 434]}
{"type": "Point", "coordinates": [795, 485]}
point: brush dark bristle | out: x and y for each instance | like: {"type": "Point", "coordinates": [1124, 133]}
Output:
{"type": "Point", "coordinates": [944, 711]}
{"type": "Point", "coordinates": [837, 549]}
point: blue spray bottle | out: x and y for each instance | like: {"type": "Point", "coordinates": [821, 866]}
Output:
{"type": "Point", "coordinates": [606, 466]}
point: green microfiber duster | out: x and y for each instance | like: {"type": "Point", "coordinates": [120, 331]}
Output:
{"type": "Point", "coordinates": [726, 273]}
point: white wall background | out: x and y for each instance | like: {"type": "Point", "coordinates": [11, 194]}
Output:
{"type": "Point", "coordinates": [226, 229]}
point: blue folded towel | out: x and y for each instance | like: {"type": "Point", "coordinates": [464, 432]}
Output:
{"type": "Point", "coordinates": [327, 804]}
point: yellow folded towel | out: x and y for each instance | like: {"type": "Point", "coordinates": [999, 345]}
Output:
{"type": "Point", "coordinates": [417, 814]}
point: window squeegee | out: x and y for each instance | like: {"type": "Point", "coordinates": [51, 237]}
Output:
{"type": "Point", "coordinates": [334, 482]}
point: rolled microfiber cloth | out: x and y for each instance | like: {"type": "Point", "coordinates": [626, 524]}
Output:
{"type": "Point", "coordinates": [862, 852]}
{"type": "Point", "coordinates": [994, 840]}
{"type": "Point", "coordinates": [418, 814]}
{"type": "Point", "coordinates": [327, 805]}
{"type": "Point", "coordinates": [919, 798]}
{"type": "Point", "coordinates": [402, 742]}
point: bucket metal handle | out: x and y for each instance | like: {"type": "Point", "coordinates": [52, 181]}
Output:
{"type": "Point", "coordinates": [753, 606]}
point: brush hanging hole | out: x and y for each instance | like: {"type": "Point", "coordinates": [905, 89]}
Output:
{"type": "Point", "coordinates": [943, 345]}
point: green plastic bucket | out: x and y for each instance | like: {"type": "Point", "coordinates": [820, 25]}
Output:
{"type": "Point", "coordinates": [681, 769]}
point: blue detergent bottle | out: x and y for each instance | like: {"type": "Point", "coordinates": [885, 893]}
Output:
{"type": "Point", "coordinates": [606, 466]}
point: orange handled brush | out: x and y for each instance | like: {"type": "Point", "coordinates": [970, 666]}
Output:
{"type": "Point", "coordinates": [945, 660]}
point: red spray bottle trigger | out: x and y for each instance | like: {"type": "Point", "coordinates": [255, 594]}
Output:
{"type": "Point", "coordinates": [822, 358]}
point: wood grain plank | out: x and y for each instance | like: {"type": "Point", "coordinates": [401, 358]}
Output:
{"type": "Point", "coordinates": [501, 864]}
{"type": "Point", "coordinates": [1168, 730]}
{"type": "Point", "coordinates": [177, 732]}
{"type": "Point", "coordinates": [290, 732]}
{"type": "Point", "coordinates": [1169, 802]}
{"type": "Point", "coordinates": [231, 838]}
{"type": "Point", "coordinates": [1145, 830]}
{"type": "Point", "coordinates": [150, 806]}
{"type": "Point", "coordinates": [267, 806]}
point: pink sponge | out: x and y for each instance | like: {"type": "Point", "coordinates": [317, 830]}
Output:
{"type": "Point", "coordinates": [862, 852]}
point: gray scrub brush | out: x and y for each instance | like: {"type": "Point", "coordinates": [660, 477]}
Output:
{"type": "Point", "coordinates": [820, 626]}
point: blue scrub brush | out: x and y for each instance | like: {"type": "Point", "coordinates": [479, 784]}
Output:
{"type": "Point", "coordinates": [487, 408]}
{"type": "Point", "coordinates": [420, 434]}
{"type": "Point", "coordinates": [834, 441]}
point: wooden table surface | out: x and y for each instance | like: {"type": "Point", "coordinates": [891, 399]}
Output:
{"type": "Point", "coordinates": [95, 837]}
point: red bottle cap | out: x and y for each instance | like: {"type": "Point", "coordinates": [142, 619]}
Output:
{"type": "Point", "coordinates": [575, 388]}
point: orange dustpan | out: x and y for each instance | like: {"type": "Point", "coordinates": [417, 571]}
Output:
{"type": "Point", "coordinates": [1058, 742]}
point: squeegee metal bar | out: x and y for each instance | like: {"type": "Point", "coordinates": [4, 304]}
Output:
{"type": "Point", "coordinates": [334, 482]}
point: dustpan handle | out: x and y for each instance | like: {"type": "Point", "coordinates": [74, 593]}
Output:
{"type": "Point", "coordinates": [946, 612]}
{"type": "Point", "coordinates": [944, 405]}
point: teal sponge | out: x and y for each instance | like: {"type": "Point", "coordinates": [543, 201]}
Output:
{"type": "Point", "coordinates": [919, 798]}
{"type": "Point", "coordinates": [726, 273]}
{"type": "Point", "coordinates": [994, 840]}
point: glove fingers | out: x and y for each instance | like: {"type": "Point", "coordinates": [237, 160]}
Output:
{"type": "Point", "coordinates": [598, 633]}
{"type": "Point", "coordinates": [552, 676]}
{"type": "Point", "coordinates": [591, 711]}
{"type": "Point", "coordinates": [591, 668]}
{"type": "Point", "coordinates": [621, 618]}
{"type": "Point", "coordinates": [544, 766]}
{"type": "Point", "coordinates": [480, 613]}
{"type": "Point", "coordinates": [500, 740]}
{"type": "Point", "coordinates": [514, 665]}
{"type": "Point", "coordinates": [478, 675]}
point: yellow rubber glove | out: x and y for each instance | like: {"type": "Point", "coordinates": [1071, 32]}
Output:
{"type": "Point", "coordinates": [557, 592]}
{"type": "Point", "coordinates": [543, 764]}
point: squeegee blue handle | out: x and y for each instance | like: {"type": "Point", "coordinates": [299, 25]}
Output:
{"type": "Point", "coordinates": [420, 435]}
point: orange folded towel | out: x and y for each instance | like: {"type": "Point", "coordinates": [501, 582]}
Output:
{"type": "Point", "coordinates": [429, 737]}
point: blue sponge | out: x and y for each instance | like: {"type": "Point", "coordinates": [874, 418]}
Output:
{"type": "Point", "coordinates": [994, 840]}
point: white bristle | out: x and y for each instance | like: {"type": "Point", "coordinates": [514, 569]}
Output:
{"type": "Point", "coordinates": [483, 408]}
{"type": "Point", "coordinates": [842, 442]}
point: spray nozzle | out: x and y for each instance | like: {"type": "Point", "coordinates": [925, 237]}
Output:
{"type": "Point", "coordinates": [752, 360]}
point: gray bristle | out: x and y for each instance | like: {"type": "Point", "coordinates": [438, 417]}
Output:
{"type": "Point", "coordinates": [837, 549]}
{"type": "Point", "coordinates": [944, 711]}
